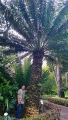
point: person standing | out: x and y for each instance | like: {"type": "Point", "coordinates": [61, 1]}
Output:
{"type": "Point", "coordinates": [21, 100]}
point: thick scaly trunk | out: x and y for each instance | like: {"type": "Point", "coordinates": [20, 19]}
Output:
{"type": "Point", "coordinates": [59, 81]}
{"type": "Point", "coordinates": [32, 103]}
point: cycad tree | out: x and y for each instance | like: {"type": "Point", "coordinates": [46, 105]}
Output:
{"type": "Point", "coordinates": [40, 26]}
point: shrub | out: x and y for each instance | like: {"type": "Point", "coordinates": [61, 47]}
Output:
{"type": "Point", "coordinates": [59, 101]}
{"type": "Point", "coordinates": [7, 96]}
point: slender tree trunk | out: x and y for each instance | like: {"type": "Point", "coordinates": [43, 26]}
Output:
{"type": "Point", "coordinates": [59, 81]}
{"type": "Point", "coordinates": [67, 79]}
{"type": "Point", "coordinates": [32, 103]}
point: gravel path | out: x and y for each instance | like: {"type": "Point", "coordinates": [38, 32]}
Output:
{"type": "Point", "coordinates": [64, 113]}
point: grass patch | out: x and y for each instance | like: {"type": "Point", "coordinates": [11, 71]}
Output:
{"type": "Point", "coordinates": [45, 96]}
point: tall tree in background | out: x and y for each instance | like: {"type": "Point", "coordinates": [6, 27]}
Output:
{"type": "Point", "coordinates": [39, 24]}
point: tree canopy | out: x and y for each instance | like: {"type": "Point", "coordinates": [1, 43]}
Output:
{"type": "Point", "coordinates": [29, 25]}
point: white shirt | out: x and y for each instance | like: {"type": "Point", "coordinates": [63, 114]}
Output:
{"type": "Point", "coordinates": [21, 95]}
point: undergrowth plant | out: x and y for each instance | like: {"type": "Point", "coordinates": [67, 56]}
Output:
{"type": "Point", "coordinates": [7, 95]}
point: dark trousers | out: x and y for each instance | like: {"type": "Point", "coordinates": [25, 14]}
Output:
{"type": "Point", "coordinates": [19, 111]}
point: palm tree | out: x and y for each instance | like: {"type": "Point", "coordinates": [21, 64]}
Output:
{"type": "Point", "coordinates": [40, 26]}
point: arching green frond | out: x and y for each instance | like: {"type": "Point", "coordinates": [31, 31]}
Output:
{"type": "Point", "coordinates": [62, 32]}
{"type": "Point", "coordinates": [22, 7]}
{"type": "Point", "coordinates": [47, 14]}
{"type": "Point", "coordinates": [59, 20]}
{"type": "Point", "coordinates": [31, 6]}
{"type": "Point", "coordinates": [16, 23]}
{"type": "Point", "coordinates": [50, 14]}
{"type": "Point", "coordinates": [38, 22]}
{"type": "Point", "coordinates": [22, 16]}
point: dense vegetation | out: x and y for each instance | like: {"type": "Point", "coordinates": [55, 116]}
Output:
{"type": "Point", "coordinates": [40, 28]}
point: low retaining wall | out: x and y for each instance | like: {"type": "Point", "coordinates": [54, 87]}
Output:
{"type": "Point", "coordinates": [49, 115]}
{"type": "Point", "coordinates": [49, 112]}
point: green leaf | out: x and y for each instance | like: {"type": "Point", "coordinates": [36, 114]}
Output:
{"type": "Point", "coordinates": [1, 97]}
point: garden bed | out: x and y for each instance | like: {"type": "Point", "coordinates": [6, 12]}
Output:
{"type": "Point", "coordinates": [49, 115]}
{"type": "Point", "coordinates": [49, 112]}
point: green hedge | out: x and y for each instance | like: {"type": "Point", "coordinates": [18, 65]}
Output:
{"type": "Point", "coordinates": [59, 101]}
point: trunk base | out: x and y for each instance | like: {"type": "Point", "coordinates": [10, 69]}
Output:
{"type": "Point", "coordinates": [31, 111]}
{"type": "Point", "coordinates": [61, 94]}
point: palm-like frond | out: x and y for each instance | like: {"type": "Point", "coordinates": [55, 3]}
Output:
{"type": "Point", "coordinates": [38, 23]}
{"type": "Point", "coordinates": [23, 10]}
{"type": "Point", "coordinates": [15, 22]}
{"type": "Point", "coordinates": [31, 6]}
{"type": "Point", "coordinates": [59, 20]}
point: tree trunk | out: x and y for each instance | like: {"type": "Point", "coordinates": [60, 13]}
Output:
{"type": "Point", "coordinates": [67, 79]}
{"type": "Point", "coordinates": [33, 91]}
{"type": "Point", "coordinates": [59, 81]}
